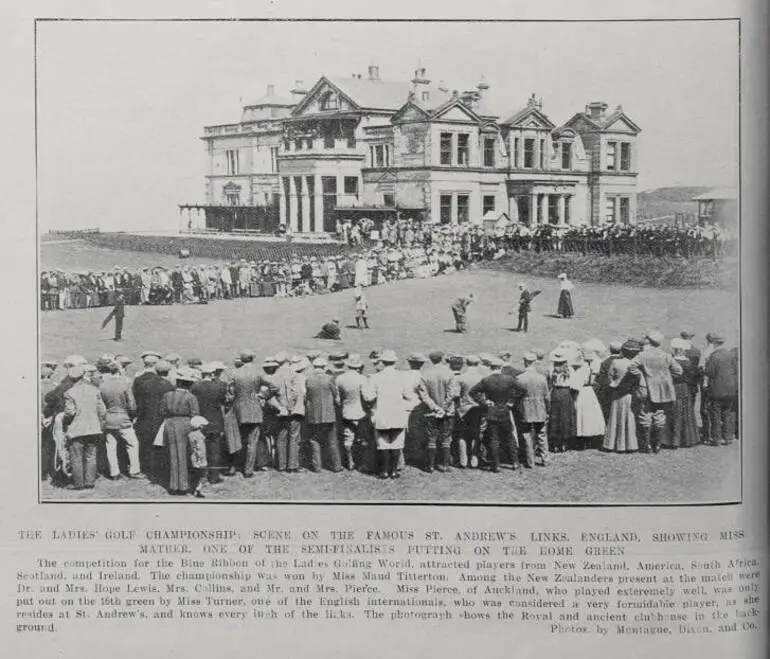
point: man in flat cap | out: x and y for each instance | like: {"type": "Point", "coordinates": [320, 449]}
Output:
{"type": "Point", "coordinates": [497, 392]}
{"type": "Point", "coordinates": [148, 389]}
{"type": "Point", "coordinates": [657, 367]}
{"type": "Point", "coordinates": [721, 369]}
{"type": "Point", "coordinates": [534, 406]}
{"type": "Point", "coordinates": [289, 397]}
{"type": "Point", "coordinates": [469, 414]}
{"type": "Point", "coordinates": [211, 393]}
{"type": "Point", "coordinates": [459, 311]}
{"type": "Point", "coordinates": [350, 385]}
{"type": "Point", "coordinates": [438, 390]}
{"type": "Point", "coordinates": [250, 389]}
{"type": "Point", "coordinates": [118, 397]}
{"type": "Point", "coordinates": [118, 313]}
{"type": "Point", "coordinates": [321, 396]}
{"type": "Point", "coordinates": [85, 411]}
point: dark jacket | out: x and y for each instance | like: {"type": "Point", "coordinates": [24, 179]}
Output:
{"type": "Point", "coordinates": [148, 391]}
{"type": "Point", "coordinates": [498, 391]}
{"type": "Point", "coordinates": [248, 383]}
{"type": "Point", "coordinates": [320, 394]}
{"type": "Point", "coordinates": [211, 395]}
{"type": "Point", "coordinates": [722, 371]}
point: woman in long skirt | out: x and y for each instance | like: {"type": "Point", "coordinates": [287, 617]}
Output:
{"type": "Point", "coordinates": [589, 424]}
{"type": "Point", "coordinates": [177, 408]}
{"type": "Point", "coordinates": [562, 422]}
{"type": "Point", "coordinates": [565, 308]}
{"type": "Point", "coordinates": [683, 431]}
{"type": "Point", "coordinates": [621, 426]}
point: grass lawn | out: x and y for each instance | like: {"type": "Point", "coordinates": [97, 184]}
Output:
{"type": "Point", "coordinates": [415, 315]}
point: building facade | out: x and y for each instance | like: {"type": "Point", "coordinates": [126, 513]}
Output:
{"type": "Point", "coordinates": [362, 146]}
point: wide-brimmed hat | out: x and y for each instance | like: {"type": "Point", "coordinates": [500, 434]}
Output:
{"type": "Point", "coordinates": [151, 353]}
{"type": "Point", "coordinates": [654, 337]}
{"type": "Point", "coordinates": [388, 357]}
{"type": "Point", "coordinates": [282, 357]}
{"type": "Point", "coordinates": [472, 360]}
{"type": "Point", "coordinates": [320, 362]}
{"type": "Point", "coordinates": [354, 361]}
{"type": "Point", "coordinates": [247, 354]}
{"type": "Point", "coordinates": [186, 374]}
{"type": "Point", "coordinates": [208, 368]}
{"type": "Point", "coordinates": [558, 356]}
{"type": "Point", "coordinates": [74, 360]}
{"type": "Point", "coordinates": [198, 422]}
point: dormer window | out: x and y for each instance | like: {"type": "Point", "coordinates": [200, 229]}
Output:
{"type": "Point", "coordinates": [330, 101]}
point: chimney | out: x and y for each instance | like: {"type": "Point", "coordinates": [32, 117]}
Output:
{"type": "Point", "coordinates": [470, 97]}
{"type": "Point", "coordinates": [299, 90]}
{"type": "Point", "coordinates": [271, 90]}
{"type": "Point", "coordinates": [482, 86]}
{"type": "Point", "coordinates": [420, 76]}
{"type": "Point", "coordinates": [596, 109]}
{"type": "Point", "coordinates": [374, 72]}
{"type": "Point", "coordinates": [442, 86]}
{"type": "Point", "coordinates": [455, 94]}
{"type": "Point", "coordinates": [534, 102]}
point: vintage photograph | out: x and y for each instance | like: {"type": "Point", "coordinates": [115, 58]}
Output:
{"type": "Point", "coordinates": [458, 262]}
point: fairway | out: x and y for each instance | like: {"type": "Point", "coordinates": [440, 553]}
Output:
{"type": "Point", "coordinates": [413, 315]}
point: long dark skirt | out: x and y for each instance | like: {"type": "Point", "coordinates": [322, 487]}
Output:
{"type": "Point", "coordinates": [565, 307]}
{"type": "Point", "coordinates": [684, 432]}
{"type": "Point", "coordinates": [175, 434]}
{"type": "Point", "coordinates": [562, 422]}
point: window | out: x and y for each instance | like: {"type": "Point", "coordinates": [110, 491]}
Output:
{"type": "Point", "coordinates": [351, 186]}
{"type": "Point", "coordinates": [388, 199]}
{"type": "Point", "coordinates": [542, 154]}
{"type": "Point", "coordinates": [529, 153]}
{"type": "Point", "coordinates": [553, 209]}
{"type": "Point", "coordinates": [609, 210]}
{"type": "Point", "coordinates": [516, 151]}
{"type": "Point", "coordinates": [424, 96]}
{"type": "Point", "coordinates": [274, 158]}
{"type": "Point", "coordinates": [489, 152]}
{"type": "Point", "coordinates": [566, 155]}
{"type": "Point", "coordinates": [463, 208]}
{"type": "Point", "coordinates": [567, 200]}
{"type": "Point", "coordinates": [286, 145]}
{"type": "Point", "coordinates": [330, 101]}
{"type": "Point", "coordinates": [445, 202]}
{"type": "Point", "coordinates": [625, 209]}
{"type": "Point", "coordinates": [625, 156]}
{"type": "Point", "coordinates": [310, 185]}
{"type": "Point", "coordinates": [446, 148]}
{"type": "Point", "coordinates": [351, 140]}
{"type": "Point", "coordinates": [612, 148]}
{"type": "Point", "coordinates": [487, 204]}
{"type": "Point", "coordinates": [379, 155]}
{"type": "Point", "coordinates": [328, 139]}
{"type": "Point", "coordinates": [298, 145]}
{"type": "Point", "coordinates": [233, 198]}
{"type": "Point", "coordinates": [309, 143]}
{"type": "Point", "coordinates": [232, 162]}
{"type": "Point", "coordinates": [463, 140]}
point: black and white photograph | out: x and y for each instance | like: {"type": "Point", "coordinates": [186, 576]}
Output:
{"type": "Point", "coordinates": [400, 261]}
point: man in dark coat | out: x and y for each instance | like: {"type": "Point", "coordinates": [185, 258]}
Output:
{"type": "Point", "coordinates": [525, 306]}
{"type": "Point", "coordinates": [498, 392]}
{"type": "Point", "coordinates": [721, 369]}
{"type": "Point", "coordinates": [211, 393]}
{"type": "Point", "coordinates": [148, 389]}
{"type": "Point", "coordinates": [250, 390]}
{"type": "Point", "coordinates": [118, 313]}
{"type": "Point", "coordinates": [438, 390]}
{"type": "Point", "coordinates": [321, 397]}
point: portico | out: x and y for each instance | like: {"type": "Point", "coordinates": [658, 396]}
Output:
{"type": "Point", "coordinates": [537, 202]}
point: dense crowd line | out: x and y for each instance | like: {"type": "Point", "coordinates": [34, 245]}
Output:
{"type": "Point", "coordinates": [401, 250]}
{"type": "Point", "coordinates": [182, 424]}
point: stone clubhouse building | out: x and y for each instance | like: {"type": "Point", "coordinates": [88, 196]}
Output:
{"type": "Point", "coordinates": [363, 146]}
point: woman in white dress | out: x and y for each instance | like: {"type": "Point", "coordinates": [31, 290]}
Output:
{"type": "Point", "coordinates": [589, 417]}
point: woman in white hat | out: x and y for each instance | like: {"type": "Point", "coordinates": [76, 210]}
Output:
{"type": "Point", "coordinates": [589, 419]}
{"type": "Point", "coordinates": [564, 308]}
{"type": "Point", "coordinates": [177, 409]}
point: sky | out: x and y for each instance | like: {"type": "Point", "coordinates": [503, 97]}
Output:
{"type": "Point", "coordinates": [121, 106]}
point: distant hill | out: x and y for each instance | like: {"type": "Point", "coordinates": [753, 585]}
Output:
{"type": "Point", "coordinates": [667, 201]}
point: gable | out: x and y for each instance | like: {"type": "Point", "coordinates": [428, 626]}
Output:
{"type": "Point", "coordinates": [529, 118]}
{"type": "Point", "coordinates": [456, 111]}
{"type": "Point", "coordinates": [322, 98]}
{"type": "Point", "coordinates": [410, 112]}
{"type": "Point", "coordinates": [622, 124]}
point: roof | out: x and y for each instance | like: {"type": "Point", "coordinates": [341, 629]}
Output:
{"type": "Point", "coordinates": [376, 94]}
{"type": "Point", "coordinates": [605, 121]}
{"type": "Point", "coordinates": [717, 193]}
{"type": "Point", "coordinates": [516, 117]}
{"type": "Point", "coordinates": [271, 99]}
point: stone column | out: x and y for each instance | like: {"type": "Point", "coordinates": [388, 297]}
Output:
{"type": "Point", "coordinates": [283, 211]}
{"type": "Point", "coordinates": [562, 200]}
{"type": "Point", "coordinates": [532, 209]}
{"type": "Point", "coordinates": [616, 209]}
{"type": "Point", "coordinates": [318, 200]}
{"type": "Point", "coordinates": [293, 192]}
{"type": "Point", "coordinates": [306, 201]}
